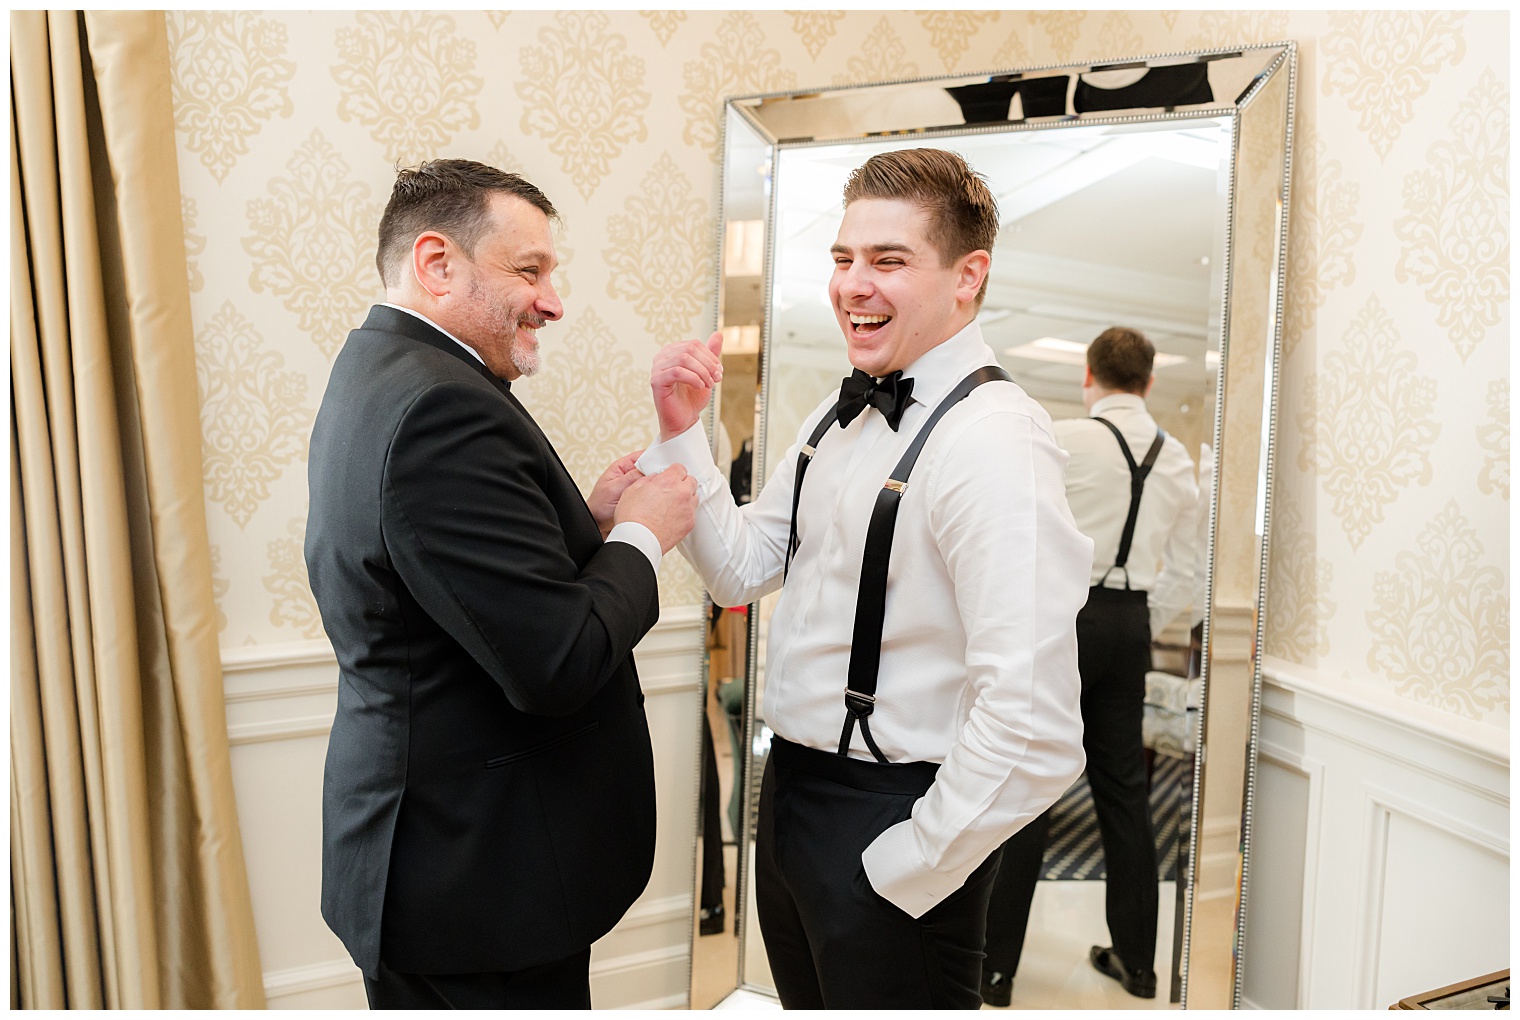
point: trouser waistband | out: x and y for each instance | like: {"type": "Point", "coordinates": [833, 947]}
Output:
{"type": "Point", "coordinates": [911, 778]}
{"type": "Point", "coordinates": [1099, 595]}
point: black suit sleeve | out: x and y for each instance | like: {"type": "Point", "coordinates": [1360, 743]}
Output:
{"type": "Point", "coordinates": [472, 532]}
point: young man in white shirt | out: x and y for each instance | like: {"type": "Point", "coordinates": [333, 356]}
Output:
{"type": "Point", "coordinates": [955, 634]}
{"type": "Point", "coordinates": [1133, 492]}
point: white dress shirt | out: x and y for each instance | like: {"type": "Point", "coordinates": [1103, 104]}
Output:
{"type": "Point", "coordinates": [1164, 548]}
{"type": "Point", "coordinates": [979, 652]}
{"type": "Point", "coordinates": [632, 532]}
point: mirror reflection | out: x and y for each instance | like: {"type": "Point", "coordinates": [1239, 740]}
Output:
{"type": "Point", "coordinates": [715, 943]}
{"type": "Point", "coordinates": [1115, 223]}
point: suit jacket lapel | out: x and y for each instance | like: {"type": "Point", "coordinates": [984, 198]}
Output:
{"type": "Point", "coordinates": [385, 319]}
{"type": "Point", "coordinates": [512, 398]}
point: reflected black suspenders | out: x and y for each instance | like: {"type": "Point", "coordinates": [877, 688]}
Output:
{"type": "Point", "coordinates": [871, 603]}
{"type": "Point", "coordinates": [1137, 475]}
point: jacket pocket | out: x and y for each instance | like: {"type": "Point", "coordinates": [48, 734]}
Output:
{"type": "Point", "coordinates": [507, 759]}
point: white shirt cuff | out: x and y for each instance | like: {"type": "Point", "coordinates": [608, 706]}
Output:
{"type": "Point", "coordinates": [899, 875]}
{"type": "Point", "coordinates": [641, 538]}
{"type": "Point", "coordinates": [690, 450]}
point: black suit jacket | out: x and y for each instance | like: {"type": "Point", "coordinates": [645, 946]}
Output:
{"type": "Point", "coordinates": [488, 799]}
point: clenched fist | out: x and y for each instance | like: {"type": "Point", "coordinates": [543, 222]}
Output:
{"type": "Point", "coordinates": [683, 378]}
{"type": "Point", "coordinates": [665, 503]}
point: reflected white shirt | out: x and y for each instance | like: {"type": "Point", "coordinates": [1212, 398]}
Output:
{"type": "Point", "coordinates": [631, 532]}
{"type": "Point", "coordinates": [1165, 545]}
{"type": "Point", "coordinates": [979, 652]}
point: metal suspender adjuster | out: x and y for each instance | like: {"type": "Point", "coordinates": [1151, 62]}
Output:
{"type": "Point", "coordinates": [806, 457]}
{"type": "Point", "coordinates": [858, 705]}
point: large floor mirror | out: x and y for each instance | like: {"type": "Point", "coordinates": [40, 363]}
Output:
{"type": "Point", "coordinates": [1149, 193]}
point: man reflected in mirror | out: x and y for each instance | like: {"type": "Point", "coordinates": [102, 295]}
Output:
{"type": "Point", "coordinates": [1133, 492]}
{"type": "Point", "coordinates": [922, 678]}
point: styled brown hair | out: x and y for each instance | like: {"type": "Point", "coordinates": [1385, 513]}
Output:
{"type": "Point", "coordinates": [963, 215]}
{"type": "Point", "coordinates": [451, 196]}
{"type": "Point", "coordinates": [1121, 359]}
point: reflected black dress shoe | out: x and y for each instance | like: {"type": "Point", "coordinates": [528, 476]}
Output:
{"type": "Point", "coordinates": [997, 988]}
{"type": "Point", "coordinates": [1139, 983]}
{"type": "Point", "coordinates": [711, 922]}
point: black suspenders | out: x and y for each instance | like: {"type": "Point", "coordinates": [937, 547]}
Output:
{"type": "Point", "coordinates": [1137, 475]}
{"type": "Point", "coordinates": [871, 603]}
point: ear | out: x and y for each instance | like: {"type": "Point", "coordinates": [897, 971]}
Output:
{"type": "Point", "coordinates": [971, 270]}
{"type": "Point", "coordinates": [1087, 379]}
{"type": "Point", "coordinates": [1149, 385]}
{"type": "Point", "coordinates": [431, 257]}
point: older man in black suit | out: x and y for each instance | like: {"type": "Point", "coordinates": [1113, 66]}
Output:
{"type": "Point", "coordinates": [488, 802]}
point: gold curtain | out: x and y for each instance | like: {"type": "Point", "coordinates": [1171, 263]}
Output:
{"type": "Point", "coordinates": [127, 877]}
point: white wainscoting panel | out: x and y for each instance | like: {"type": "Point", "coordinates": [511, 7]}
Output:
{"type": "Point", "coordinates": [280, 705]}
{"type": "Point", "coordinates": [1380, 857]}
{"type": "Point", "coordinates": [1277, 864]}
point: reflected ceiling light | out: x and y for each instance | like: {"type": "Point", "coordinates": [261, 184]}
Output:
{"type": "Point", "coordinates": [1069, 352]}
{"type": "Point", "coordinates": [1050, 348]}
{"type": "Point", "coordinates": [741, 339]}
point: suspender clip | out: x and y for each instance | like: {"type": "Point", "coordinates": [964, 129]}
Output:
{"type": "Point", "coordinates": [858, 703]}
{"type": "Point", "coordinates": [896, 486]}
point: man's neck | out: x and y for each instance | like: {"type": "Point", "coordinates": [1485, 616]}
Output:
{"type": "Point", "coordinates": [957, 326]}
{"type": "Point", "coordinates": [1101, 395]}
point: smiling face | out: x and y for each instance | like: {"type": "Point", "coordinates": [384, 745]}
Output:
{"type": "Point", "coordinates": [509, 294]}
{"type": "Point", "coordinates": [893, 297]}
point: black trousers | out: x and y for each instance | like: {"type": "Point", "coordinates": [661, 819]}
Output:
{"type": "Point", "coordinates": [711, 897]}
{"type": "Point", "coordinates": [1113, 656]}
{"type": "Point", "coordinates": [563, 984]}
{"type": "Point", "coordinates": [832, 941]}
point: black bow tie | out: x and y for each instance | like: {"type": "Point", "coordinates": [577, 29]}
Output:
{"type": "Point", "coordinates": [889, 396]}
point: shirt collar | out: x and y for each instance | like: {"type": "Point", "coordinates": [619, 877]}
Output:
{"type": "Point", "coordinates": [401, 308]}
{"type": "Point", "coordinates": [939, 368]}
{"type": "Point", "coordinates": [1116, 402]}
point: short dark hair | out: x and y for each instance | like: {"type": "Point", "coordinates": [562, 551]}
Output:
{"type": "Point", "coordinates": [451, 196]}
{"type": "Point", "coordinates": [963, 215]}
{"type": "Point", "coordinates": [1121, 359]}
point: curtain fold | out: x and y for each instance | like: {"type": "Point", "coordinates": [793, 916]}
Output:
{"type": "Point", "coordinates": [128, 881]}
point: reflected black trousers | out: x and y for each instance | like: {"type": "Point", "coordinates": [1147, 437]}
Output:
{"type": "Point", "coordinates": [832, 941]}
{"type": "Point", "coordinates": [1113, 656]}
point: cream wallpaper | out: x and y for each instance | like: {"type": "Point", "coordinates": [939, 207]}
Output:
{"type": "Point", "coordinates": [1390, 542]}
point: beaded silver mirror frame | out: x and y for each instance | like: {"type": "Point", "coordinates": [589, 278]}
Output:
{"type": "Point", "coordinates": [1214, 868]}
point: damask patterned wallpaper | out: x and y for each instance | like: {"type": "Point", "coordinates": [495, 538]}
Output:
{"type": "Point", "coordinates": [1390, 540]}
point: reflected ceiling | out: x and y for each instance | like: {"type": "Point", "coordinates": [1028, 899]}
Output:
{"type": "Point", "coordinates": [1126, 221]}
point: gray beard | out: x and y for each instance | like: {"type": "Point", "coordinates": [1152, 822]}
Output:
{"type": "Point", "coordinates": [524, 360]}
{"type": "Point", "coordinates": [496, 320]}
